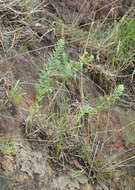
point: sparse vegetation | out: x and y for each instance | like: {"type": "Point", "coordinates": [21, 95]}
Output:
{"type": "Point", "coordinates": [121, 49]}
{"type": "Point", "coordinates": [15, 93]}
{"type": "Point", "coordinates": [67, 96]}
{"type": "Point", "coordinates": [57, 67]}
{"type": "Point", "coordinates": [7, 146]}
{"type": "Point", "coordinates": [104, 103]}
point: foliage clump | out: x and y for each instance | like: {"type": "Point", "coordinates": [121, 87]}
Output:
{"type": "Point", "coordinates": [57, 67]}
{"type": "Point", "coordinates": [105, 102]}
{"type": "Point", "coordinates": [122, 44]}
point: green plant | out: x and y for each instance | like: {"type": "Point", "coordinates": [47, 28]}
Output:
{"type": "Point", "coordinates": [91, 151]}
{"type": "Point", "coordinates": [6, 145]}
{"type": "Point", "coordinates": [122, 43]}
{"type": "Point", "coordinates": [33, 109]}
{"type": "Point", "coordinates": [56, 72]}
{"type": "Point", "coordinates": [15, 93]}
{"type": "Point", "coordinates": [61, 126]}
{"type": "Point", "coordinates": [104, 103]}
{"type": "Point", "coordinates": [49, 70]}
{"type": "Point", "coordinates": [57, 67]}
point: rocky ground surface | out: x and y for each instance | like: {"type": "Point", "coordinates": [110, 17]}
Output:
{"type": "Point", "coordinates": [29, 165]}
{"type": "Point", "coordinates": [26, 163]}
